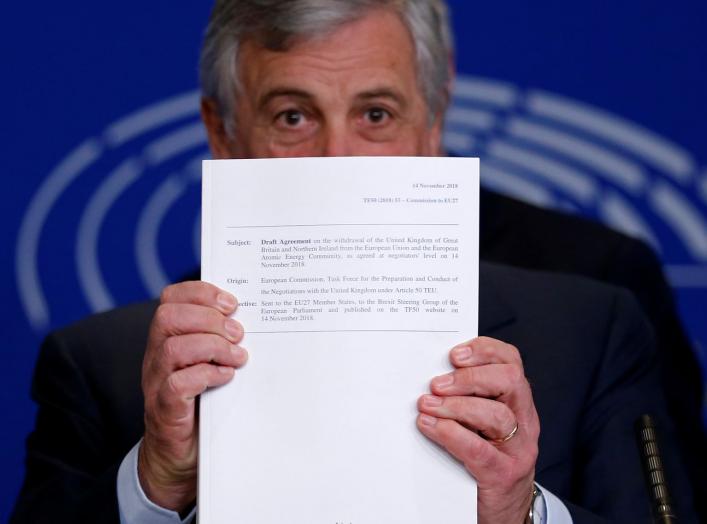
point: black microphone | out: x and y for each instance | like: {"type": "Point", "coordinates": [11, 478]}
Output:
{"type": "Point", "coordinates": [653, 468]}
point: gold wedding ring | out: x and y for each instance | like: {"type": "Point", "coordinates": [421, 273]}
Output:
{"type": "Point", "coordinates": [507, 437]}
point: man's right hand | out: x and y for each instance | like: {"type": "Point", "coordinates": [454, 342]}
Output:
{"type": "Point", "coordinates": [192, 345]}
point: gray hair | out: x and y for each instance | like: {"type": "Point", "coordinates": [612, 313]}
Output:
{"type": "Point", "coordinates": [276, 23]}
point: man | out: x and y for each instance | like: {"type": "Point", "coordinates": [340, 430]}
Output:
{"type": "Point", "coordinates": [349, 77]}
{"type": "Point", "coordinates": [511, 232]}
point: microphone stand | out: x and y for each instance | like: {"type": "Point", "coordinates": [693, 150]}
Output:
{"type": "Point", "coordinates": [656, 482]}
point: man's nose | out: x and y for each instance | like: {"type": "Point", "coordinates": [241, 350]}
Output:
{"type": "Point", "coordinates": [337, 141]}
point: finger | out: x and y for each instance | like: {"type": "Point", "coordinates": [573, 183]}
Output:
{"type": "Point", "coordinates": [175, 398]}
{"type": "Point", "coordinates": [489, 381]}
{"type": "Point", "coordinates": [182, 319]}
{"type": "Point", "coordinates": [503, 382]}
{"type": "Point", "coordinates": [493, 419]}
{"type": "Point", "coordinates": [182, 351]}
{"type": "Point", "coordinates": [480, 457]}
{"type": "Point", "coordinates": [199, 293]}
{"type": "Point", "coordinates": [484, 350]}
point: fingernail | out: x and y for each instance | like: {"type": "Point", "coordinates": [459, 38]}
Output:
{"type": "Point", "coordinates": [431, 401]}
{"type": "Point", "coordinates": [462, 353]}
{"type": "Point", "coordinates": [427, 420]}
{"type": "Point", "coordinates": [226, 301]}
{"type": "Point", "coordinates": [225, 370]}
{"type": "Point", "coordinates": [232, 328]}
{"type": "Point", "coordinates": [240, 352]}
{"type": "Point", "coordinates": [444, 381]}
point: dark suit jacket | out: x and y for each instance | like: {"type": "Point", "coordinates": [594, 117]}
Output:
{"type": "Point", "coordinates": [587, 351]}
{"type": "Point", "coordinates": [518, 234]}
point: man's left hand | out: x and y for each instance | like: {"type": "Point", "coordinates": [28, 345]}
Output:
{"type": "Point", "coordinates": [473, 412]}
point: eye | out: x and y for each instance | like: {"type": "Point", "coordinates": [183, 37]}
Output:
{"type": "Point", "coordinates": [290, 118]}
{"type": "Point", "coordinates": [377, 115]}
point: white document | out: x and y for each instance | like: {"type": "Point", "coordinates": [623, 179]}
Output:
{"type": "Point", "coordinates": [355, 277]}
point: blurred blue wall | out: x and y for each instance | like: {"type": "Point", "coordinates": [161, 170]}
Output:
{"type": "Point", "coordinates": [101, 142]}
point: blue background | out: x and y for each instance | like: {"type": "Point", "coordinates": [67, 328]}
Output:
{"type": "Point", "coordinates": [71, 69]}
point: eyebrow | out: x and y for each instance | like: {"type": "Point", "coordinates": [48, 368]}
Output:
{"type": "Point", "coordinates": [383, 92]}
{"type": "Point", "coordinates": [282, 91]}
{"type": "Point", "coordinates": [294, 92]}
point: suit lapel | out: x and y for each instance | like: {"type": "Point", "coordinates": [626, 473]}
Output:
{"type": "Point", "coordinates": [495, 312]}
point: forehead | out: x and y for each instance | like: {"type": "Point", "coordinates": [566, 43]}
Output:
{"type": "Point", "coordinates": [374, 49]}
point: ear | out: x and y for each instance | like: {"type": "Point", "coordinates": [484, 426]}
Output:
{"type": "Point", "coordinates": [437, 128]}
{"type": "Point", "coordinates": [219, 141]}
{"type": "Point", "coordinates": [451, 75]}
{"type": "Point", "coordinates": [435, 136]}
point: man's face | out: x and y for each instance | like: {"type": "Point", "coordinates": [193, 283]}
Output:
{"type": "Point", "coordinates": [352, 92]}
